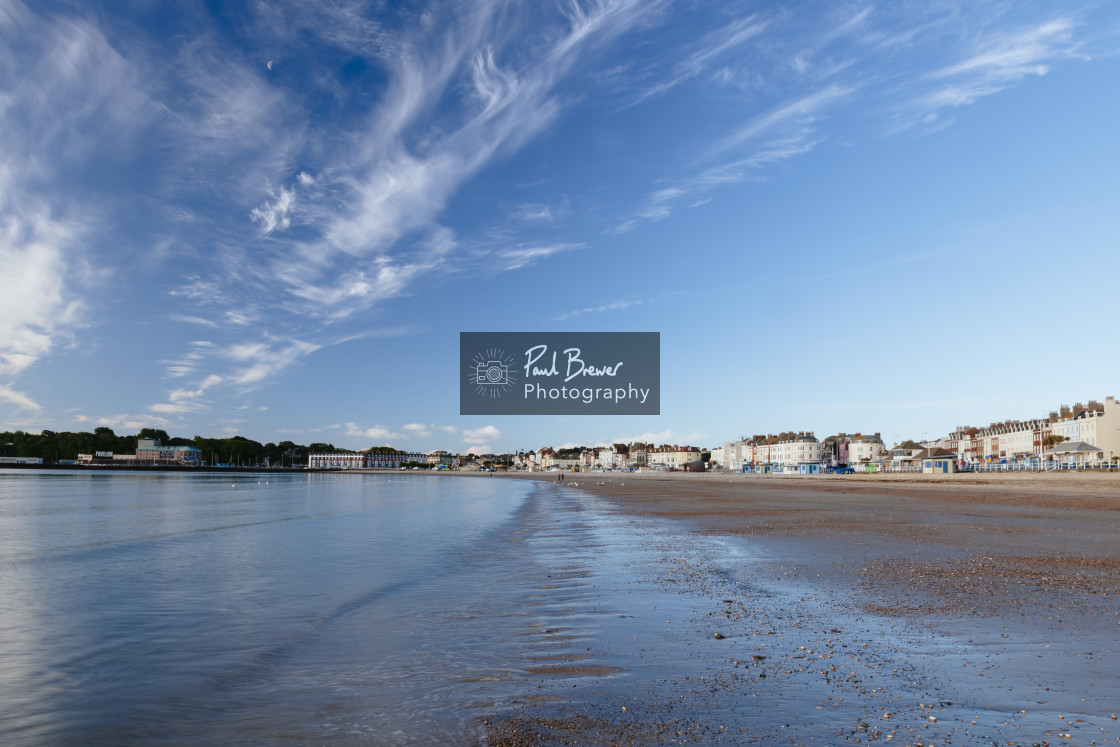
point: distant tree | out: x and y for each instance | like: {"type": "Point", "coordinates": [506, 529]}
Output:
{"type": "Point", "coordinates": [241, 450]}
{"type": "Point", "coordinates": [104, 431]}
{"type": "Point", "coordinates": [1049, 442]}
{"type": "Point", "coordinates": [156, 433]}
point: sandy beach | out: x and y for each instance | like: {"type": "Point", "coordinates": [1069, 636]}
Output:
{"type": "Point", "coordinates": [968, 609]}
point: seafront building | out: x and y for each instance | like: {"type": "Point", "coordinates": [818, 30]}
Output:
{"type": "Point", "coordinates": [636, 455]}
{"type": "Point", "coordinates": [844, 449]}
{"type": "Point", "coordinates": [1081, 435]}
{"type": "Point", "coordinates": [439, 457]}
{"type": "Point", "coordinates": [787, 453]}
{"type": "Point", "coordinates": [1095, 424]}
{"type": "Point", "coordinates": [674, 457]}
{"type": "Point", "coordinates": [790, 451]}
{"type": "Point", "coordinates": [615, 456]}
{"type": "Point", "coordinates": [149, 451]}
{"type": "Point", "coordinates": [378, 459]}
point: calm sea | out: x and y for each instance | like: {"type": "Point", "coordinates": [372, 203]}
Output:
{"type": "Point", "coordinates": [149, 609]}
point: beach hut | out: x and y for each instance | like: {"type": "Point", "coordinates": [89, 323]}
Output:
{"type": "Point", "coordinates": [938, 466]}
{"type": "Point", "coordinates": [809, 468]}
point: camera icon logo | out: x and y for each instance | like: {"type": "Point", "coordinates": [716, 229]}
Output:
{"type": "Point", "coordinates": [491, 373]}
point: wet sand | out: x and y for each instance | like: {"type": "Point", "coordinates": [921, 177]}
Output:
{"type": "Point", "coordinates": [951, 610]}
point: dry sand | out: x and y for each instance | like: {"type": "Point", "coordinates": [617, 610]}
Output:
{"type": "Point", "coordinates": [1012, 577]}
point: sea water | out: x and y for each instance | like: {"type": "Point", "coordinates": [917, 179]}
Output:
{"type": "Point", "coordinates": [219, 608]}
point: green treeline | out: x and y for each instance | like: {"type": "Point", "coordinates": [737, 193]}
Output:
{"type": "Point", "coordinates": [54, 446]}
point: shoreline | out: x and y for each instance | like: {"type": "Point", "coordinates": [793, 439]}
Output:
{"type": "Point", "coordinates": [994, 603]}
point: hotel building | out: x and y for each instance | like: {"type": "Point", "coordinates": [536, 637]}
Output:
{"type": "Point", "coordinates": [364, 459]}
{"type": "Point", "coordinates": [785, 450]}
{"type": "Point", "coordinates": [673, 457]}
{"type": "Point", "coordinates": [149, 451]}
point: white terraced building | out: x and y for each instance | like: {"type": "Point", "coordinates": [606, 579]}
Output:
{"type": "Point", "coordinates": [673, 457]}
{"type": "Point", "coordinates": [1095, 424]}
{"type": "Point", "coordinates": [865, 449]}
{"type": "Point", "coordinates": [802, 449]}
{"type": "Point", "coordinates": [364, 459]}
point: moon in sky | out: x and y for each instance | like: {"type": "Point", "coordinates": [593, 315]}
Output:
{"type": "Point", "coordinates": [269, 64]}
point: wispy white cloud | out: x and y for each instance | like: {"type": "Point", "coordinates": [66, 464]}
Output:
{"type": "Point", "coordinates": [345, 24]}
{"type": "Point", "coordinates": [189, 319]}
{"type": "Point", "coordinates": [264, 360]}
{"type": "Point", "coordinates": [36, 302]}
{"type": "Point", "coordinates": [275, 215]}
{"type": "Point", "coordinates": [707, 51]}
{"type": "Point", "coordinates": [184, 400]}
{"type": "Point", "coordinates": [19, 399]}
{"type": "Point", "coordinates": [513, 259]}
{"type": "Point", "coordinates": [124, 421]}
{"type": "Point", "coordinates": [994, 59]}
{"type": "Point", "coordinates": [997, 61]}
{"type": "Point", "coordinates": [198, 291]}
{"type": "Point", "coordinates": [253, 365]}
{"type": "Point", "coordinates": [615, 306]}
{"type": "Point", "coordinates": [794, 116]}
{"type": "Point", "coordinates": [173, 408]}
{"type": "Point", "coordinates": [63, 89]}
{"type": "Point", "coordinates": [843, 26]}
{"type": "Point", "coordinates": [395, 183]}
{"type": "Point", "coordinates": [777, 135]}
{"type": "Point", "coordinates": [189, 361]}
{"type": "Point", "coordinates": [534, 212]}
{"type": "Point", "coordinates": [234, 130]}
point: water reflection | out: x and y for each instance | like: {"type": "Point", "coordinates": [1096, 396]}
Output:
{"type": "Point", "coordinates": [154, 608]}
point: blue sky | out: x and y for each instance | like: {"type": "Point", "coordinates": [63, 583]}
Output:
{"type": "Point", "coordinates": [274, 218]}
